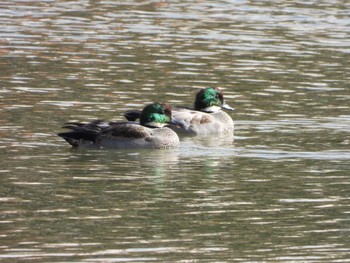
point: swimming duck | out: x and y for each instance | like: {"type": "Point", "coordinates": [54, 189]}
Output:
{"type": "Point", "coordinates": [150, 133]}
{"type": "Point", "coordinates": [206, 118]}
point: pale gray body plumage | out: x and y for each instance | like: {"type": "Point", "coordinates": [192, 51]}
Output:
{"type": "Point", "coordinates": [198, 123]}
{"type": "Point", "coordinates": [130, 136]}
{"type": "Point", "coordinates": [150, 133]}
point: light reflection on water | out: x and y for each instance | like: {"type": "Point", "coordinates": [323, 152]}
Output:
{"type": "Point", "coordinates": [278, 192]}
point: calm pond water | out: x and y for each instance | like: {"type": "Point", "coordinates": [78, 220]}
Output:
{"type": "Point", "coordinates": [279, 193]}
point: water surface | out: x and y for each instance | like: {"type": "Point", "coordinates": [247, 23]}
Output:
{"type": "Point", "coordinates": [278, 193]}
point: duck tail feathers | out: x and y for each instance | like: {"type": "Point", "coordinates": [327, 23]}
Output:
{"type": "Point", "coordinates": [76, 138]}
{"type": "Point", "coordinates": [80, 134]}
{"type": "Point", "coordinates": [132, 115]}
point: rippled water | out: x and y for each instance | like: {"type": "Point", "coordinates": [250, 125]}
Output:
{"type": "Point", "coordinates": [278, 193]}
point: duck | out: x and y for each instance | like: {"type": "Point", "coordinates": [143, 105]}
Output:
{"type": "Point", "coordinates": [150, 133]}
{"type": "Point", "coordinates": [205, 119]}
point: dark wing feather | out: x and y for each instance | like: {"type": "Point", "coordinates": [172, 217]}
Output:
{"type": "Point", "coordinates": [132, 115]}
{"type": "Point", "coordinates": [126, 131]}
{"type": "Point", "coordinates": [77, 135]}
{"type": "Point", "coordinates": [82, 132]}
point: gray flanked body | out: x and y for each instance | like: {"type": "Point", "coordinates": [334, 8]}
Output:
{"type": "Point", "coordinates": [197, 123]}
{"type": "Point", "coordinates": [207, 118]}
{"type": "Point", "coordinates": [150, 133]}
{"type": "Point", "coordinates": [135, 136]}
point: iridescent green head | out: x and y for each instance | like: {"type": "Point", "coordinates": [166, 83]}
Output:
{"type": "Point", "coordinates": [210, 100]}
{"type": "Point", "coordinates": [156, 115]}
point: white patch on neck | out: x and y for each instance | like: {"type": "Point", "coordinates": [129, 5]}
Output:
{"type": "Point", "coordinates": [155, 124]}
{"type": "Point", "coordinates": [212, 109]}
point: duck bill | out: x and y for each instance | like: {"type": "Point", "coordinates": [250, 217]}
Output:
{"type": "Point", "coordinates": [177, 123]}
{"type": "Point", "coordinates": [226, 106]}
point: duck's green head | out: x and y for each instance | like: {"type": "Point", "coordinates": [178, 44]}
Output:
{"type": "Point", "coordinates": [156, 115]}
{"type": "Point", "coordinates": [210, 100]}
